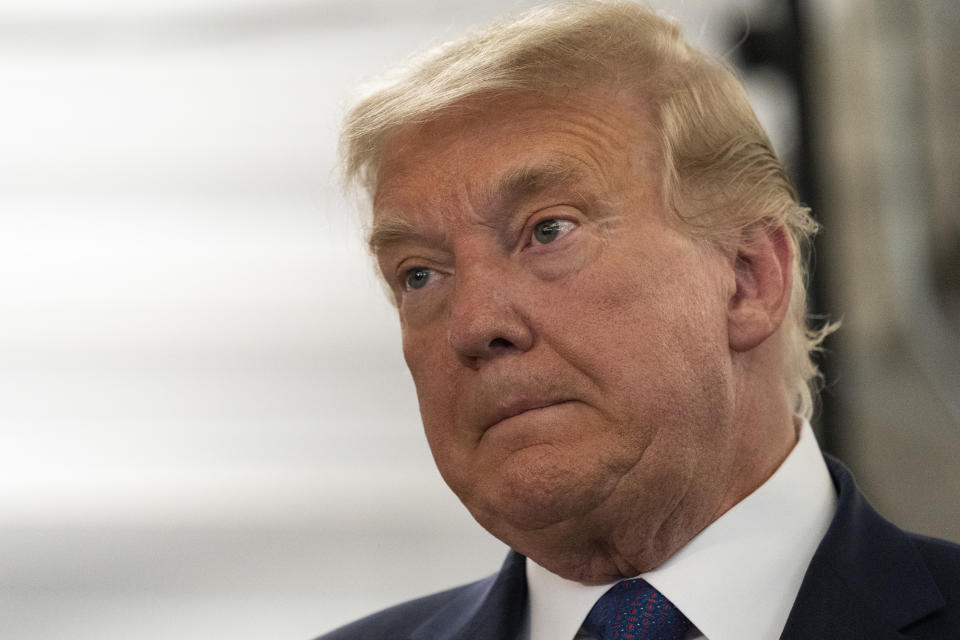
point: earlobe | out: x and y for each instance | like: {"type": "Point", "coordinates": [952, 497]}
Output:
{"type": "Point", "coordinates": [763, 269]}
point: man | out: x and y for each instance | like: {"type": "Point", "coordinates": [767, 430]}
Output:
{"type": "Point", "coordinates": [597, 262]}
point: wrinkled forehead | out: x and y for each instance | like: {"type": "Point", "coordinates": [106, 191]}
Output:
{"type": "Point", "coordinates": [521, 141]}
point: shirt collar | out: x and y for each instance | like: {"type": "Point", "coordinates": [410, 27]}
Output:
{"type": "Point", "coordinates": [738, 578]}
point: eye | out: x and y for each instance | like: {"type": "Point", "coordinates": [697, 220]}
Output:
{"type": "Point", "coordinates": [546, 231]}
{"type": "Point", "coordinates": [417, 277]}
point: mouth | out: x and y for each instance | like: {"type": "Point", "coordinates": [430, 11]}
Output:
{"type": "Point", "coordinates": [515, 407]}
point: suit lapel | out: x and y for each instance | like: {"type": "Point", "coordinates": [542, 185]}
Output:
{"type": "Point", "coordinates": [494, 610]}
{"type": "Point", "coordinates": [866, 580]}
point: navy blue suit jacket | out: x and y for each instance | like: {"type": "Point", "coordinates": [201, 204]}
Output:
{"type": "Point", "coordinates": [868, 580]}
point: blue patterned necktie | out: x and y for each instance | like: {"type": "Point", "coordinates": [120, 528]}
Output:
{"type": "Point", "coordinates": [633, 610]}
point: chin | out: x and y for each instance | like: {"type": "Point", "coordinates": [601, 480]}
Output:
{"type": "Point", "coordinates": [534, 489]}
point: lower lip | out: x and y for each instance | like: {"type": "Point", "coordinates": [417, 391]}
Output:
{"type": "Point", "coordinates": [538, 419]}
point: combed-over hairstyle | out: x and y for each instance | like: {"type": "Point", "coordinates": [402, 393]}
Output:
{"type": "Point", "coordinates": [720, 173]}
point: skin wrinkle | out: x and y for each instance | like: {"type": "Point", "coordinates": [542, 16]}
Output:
{"type": "Point", "coordinates": [623, 567]}
{"type": "Point", "coordinates": [395, 231]}
{"type": "Point", "coordinates": [627, 569]}
{"type": "Point", "coordinates": [602, 502]}
{"type": "Point", "coordinates": [609, 549]}
{"type": "Point", "coordinates": [625, 315]}
{"type": "Point", "coordinates": [582, 131]}
{"type": "Point", "coordinates": [512, 191]}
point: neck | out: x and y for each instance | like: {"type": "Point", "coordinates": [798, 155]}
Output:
{"type": "Point", "coordinates": [766, 429]}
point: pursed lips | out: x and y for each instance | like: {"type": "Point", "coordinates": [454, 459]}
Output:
{"type": "Point", "coordinates": [515, 407]}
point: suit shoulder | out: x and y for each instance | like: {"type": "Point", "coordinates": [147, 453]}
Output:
{"type": "Point", "coordinates": [942, 559]}
{"type": "Point", "coordinates": [400, 620]}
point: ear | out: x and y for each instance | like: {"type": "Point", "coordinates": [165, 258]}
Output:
{"type": "Point", "coordinates": [763, 269]}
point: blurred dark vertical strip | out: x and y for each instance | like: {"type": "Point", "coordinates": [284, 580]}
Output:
{"type": "Point", "coordinates": [776, 38]}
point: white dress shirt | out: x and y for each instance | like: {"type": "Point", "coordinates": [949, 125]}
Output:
{"type": "Point", "coordinates": [738, 578]}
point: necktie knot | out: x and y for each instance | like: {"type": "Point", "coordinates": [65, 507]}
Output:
{"type": "Point", "coordinates": [633, 610]}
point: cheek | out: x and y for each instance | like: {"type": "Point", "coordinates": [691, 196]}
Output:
{"type": "Point", "coordinates": [422, 355]}
{"type": "Point", "coordinates": [650, 333]}
{"type": "Point", "coordinates": [435, 382]}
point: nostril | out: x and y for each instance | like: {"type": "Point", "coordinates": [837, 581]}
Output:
{"type": "Point", "coordinates": [500, 343]}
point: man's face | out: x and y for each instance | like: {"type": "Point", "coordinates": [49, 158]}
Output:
{"type": "Point", "coordinates": [567, 339]}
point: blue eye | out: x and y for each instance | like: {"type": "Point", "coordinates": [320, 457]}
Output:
{"type": "Point", "coordinates": [546, 231]}
{"type": "Point", "coordinates": [417, 277]}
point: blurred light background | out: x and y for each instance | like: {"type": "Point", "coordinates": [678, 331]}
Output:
{"type": "Point", "coordinates": [206, 427]}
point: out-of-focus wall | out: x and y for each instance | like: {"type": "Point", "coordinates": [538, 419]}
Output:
{"type": "Point", "coordinates": [887, 98]}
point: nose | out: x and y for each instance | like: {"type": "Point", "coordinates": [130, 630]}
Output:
{"type": "Point", "coordinates": [487, 315]}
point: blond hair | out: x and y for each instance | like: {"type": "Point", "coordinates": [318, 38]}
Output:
{"type": "Point", "coordinates": [720, 173]}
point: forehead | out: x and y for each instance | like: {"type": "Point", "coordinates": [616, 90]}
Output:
{"type": "Point", "coordinates": [481, 148]}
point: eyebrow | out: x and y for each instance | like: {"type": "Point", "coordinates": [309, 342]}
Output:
{"type": "Point", "coordinates": [523, 183]}
{"type": "Point", "coordinates": [390, 231]}
{"type": "Point", "coordinates": [515, 186]}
